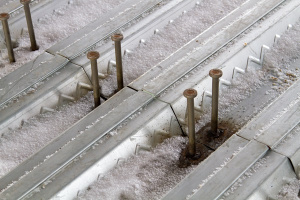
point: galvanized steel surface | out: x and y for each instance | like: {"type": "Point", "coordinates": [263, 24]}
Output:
{"type": "Point", "coordinates": [247, 143]}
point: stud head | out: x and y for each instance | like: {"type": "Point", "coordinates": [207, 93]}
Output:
{"type": "Point", "coordinates": [4, 16]}
{"type": "Point", "coordinates": [117, 37]}
{"type": "Point", "coordinates": [190, 93]}
{"type": "Point", "coordinates": [93, 55]}
{"type": "Point", "coordinates": [215, 73]}
{"type": "Point", "coordinates": [25, 1]}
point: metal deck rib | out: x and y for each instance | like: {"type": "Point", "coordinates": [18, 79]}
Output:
{"type": "Point", "coordinates": [219, 183]}
{"type": "Point", "coordinates": [253, 185]}
{"type": "Point", "coordinates": [31, 73]}
{"type": "Point", "coordinates": [255, 127]}
{"type": "Point", "coordinates": [281, 127]}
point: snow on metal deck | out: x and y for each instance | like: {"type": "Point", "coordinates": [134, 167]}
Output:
{"type": "Point", "coordinates": [136, 135]}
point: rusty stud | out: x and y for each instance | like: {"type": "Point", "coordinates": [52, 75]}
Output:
{"type": "Point", "coordinates": [34, 46]}
{"type": "Point", "coordinates": [190, 94]}
{"type": "Point", "coordinates": [215, 74]}
{"type": "Point", "coordinates": [118, 51]}
{"type": "Point", "coordinates": [93, 56]}
{"type": "Point", "coordinates": [4, 17]}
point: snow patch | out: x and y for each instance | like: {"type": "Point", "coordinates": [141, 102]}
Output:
{"type": "Point", "coordinates": [147, 175]}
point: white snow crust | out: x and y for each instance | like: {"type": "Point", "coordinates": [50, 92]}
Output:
{"type": "Point", "coordinates": [145, 176]}
{"type": "Point", "coordinates": [19, 144]}
{"type": "Point", "coordinates": [290, 191]}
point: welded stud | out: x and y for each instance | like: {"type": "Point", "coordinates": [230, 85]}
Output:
{"type": "Point", "coordinates": [4, 17]}
{"type": "Point", "coordinates": [215, 74]}
{"type": "Point", "coordinates": [118, 51]}
{"type": "Point", "coordinates": [190, 94]}
{"type": "Point", "coordinates": [34, 46]}
{"type": "Point", "coordinates": [93, 56]}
